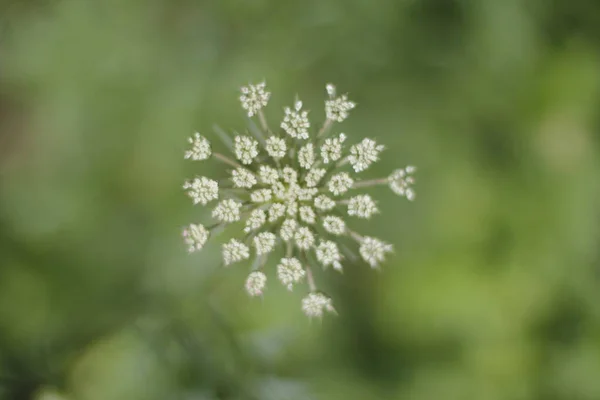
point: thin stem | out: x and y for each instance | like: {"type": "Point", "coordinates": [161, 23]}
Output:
{"type": "Point", "coordinates": [325, 127]}
{"type": "Point", "coordinates": [263, 121]}
{"type": "Point", "coordinates": [310, 279]}
{"type": "Point", "coordinates": [371, 182]}
{"type": "Point", "coordinates": [288, 251]}
{"type": "Point", "coordinates": [355, 235]}
{"type": "Point", "coordinates": [342, 162]}
{"type": "Point", "coordinates": [226, 160]}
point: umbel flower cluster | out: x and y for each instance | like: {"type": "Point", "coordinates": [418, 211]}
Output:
{"type": "Point", "coordinates": [291, 191]}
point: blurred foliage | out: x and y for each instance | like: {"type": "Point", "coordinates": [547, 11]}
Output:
{"type": "Point", "coordinates": [493, 290]}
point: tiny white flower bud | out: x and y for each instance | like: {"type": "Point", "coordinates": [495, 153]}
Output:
{"type": "Point", "coordinates": [331, 150]}
{"type": "Point", "coordinates": [254, 98]}
{"type": "Point", "coordinates": [401, 181]}
{"type": "Point", "coordinates": [374, 250]}
{"type": "Point", "coordinates": [328, 254]}
{"type": "Point", "coordinates": [289, 175]}
{"type": "Point", "coordinates": [324, 203]}
{"type": "Point", "coordinates": [242, 178]}
{"type": "Point", "coordinates": [276, 147]}
{"type": "Point", "coordinates": [195, 236]}
{"type": "Point", "coordinates": [340, 183]}
{"type": "Point", "coordinates": [200, 148]}
{"type": "Point", "coordinates": [227, 211]}
{"type": "Point", "coordinates": [334, 225]}
{"type": "Point", "coordinates": [264, 242]}
{"type": "Point", "coordinates": [362, 206]}
{"type": "Point", "coordinates": [306, 156]}
{"type": "Point", "coordinates": [295, 122]}
{"type": "Point", "coordinates": [256, 219]}
{"type": "Point", "coordinates": [268, 175]}
{"type": "Point", "coordinates": [315, 304]}
{"type": "Point", "coordinates": [307, 214]}
{"type": "Point", "coordinates": [234, 251]}
{"type": "Point", "coordinates": [276, 211]}
{"type": "Point", "coordinates": [202, 190]}
{"type": "Point", "coordinates": [364, 154]}
{"type": "Point", "coordinates": [256, 283]}
{"type": "Point", "coordinates": [290, 271]}
{"type": "Point", "coordinates": [246, 149]}
{"type": "Point", "coordinates": [338, 109]}
{"type": "Point", "coordinates": [288, 228]}
{"type": "Point", "coordinates": [304, 238]}
{"type": "Point", "coordinates": [260, 196]}
{"type": "Point", "coordinates": [314, 176]}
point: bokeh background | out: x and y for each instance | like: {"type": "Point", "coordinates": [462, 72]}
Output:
{"type": "Point", "coordinates": [493, 292]}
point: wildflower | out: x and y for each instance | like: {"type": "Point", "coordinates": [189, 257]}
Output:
{"type": "Point", "coordinates": [195, 236]}
{"type": "Point", "coordinates": [292, 190]}
{"type": "Point", "coordinates": [295, 123]}
{"type": "Point", "coordinates": [362, 206]}
{"type": "Point", "coordinates": [364, 154]}
{"type": "Point", "coordinates": [314, 304]}
{"type": "Point", "coordinates": [401, 181]}
{"type": "Point", "coordinates": [202, 190]}
{"type": "Point", "coordinates": [276, 147]}
{"type": "Point", "coordinates": [289, 271]}
{"type": "Point", "coordinates": [254, 98]}
{"type": "Point", "coordinates": [255, 283]}
{"type": "Point", "coordinates": [200, 148]}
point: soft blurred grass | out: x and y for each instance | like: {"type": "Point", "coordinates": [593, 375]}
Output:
{"type": "Point", "coordinates": [493, 291]}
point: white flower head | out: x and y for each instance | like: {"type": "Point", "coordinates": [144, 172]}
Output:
{"type": "Point", "coordinates": [290, 194]}
{"type": "Point", "coordinates": [315, 304]}
{"type": "Point", "coordinates": [246, 149]}
{"type": "Point", "coordinates": [340, 183]}
{"type": "Point", "coordinates": [242, 178]}
{"type": "Point", "coordinates": [362, 206]}
{"type": "Point", "coordinates": [295, 122]}
{"type": "Point", "coordinates": [337, 108]}
{"type": "Point", "coordinates": [331, 150]}
{"type": "Point", "coordinates": [290, 271]}
{"type": "Point", "coordinates": [261, 195]}
{"type": "Point", "coordinates": [374, 250]}
{"type": "Point", "coordinates": [289, 175]}
{"type": "Point", "coordinates": [288, 228]}
{"type": "Point", "coordinates": [264, 242]}
{"type": "Point", "coordinates": [276, 147]}
{"type": "Point", "coordinates": [328, 254]}
{"type": "Point", "coordinates": [364, 154]}
{"type": "Point", "coordinates": [195, 236]}
{"type": "Point", "coordinates": [304, 238]}
{"type": "Point", "coordinates": [202, 190]}
{"type": "Point", "coordinates": [307, 214]}
{"type": "Point", "coordinates": [256, 219]}
{"type": "Point", "coordinates": [306, 194]}
{"type": "Point", "coordinates": [314, 176]}
{"type": "Point", "coordinates": [227, 211]}
{"type": "Point", "coordinates": [401, 182]}
{"type": "Point", "coordinates": [276, 211]}
{"type": "Point", "coordinates": [256, 283]}
{"type": "Point", "coordinates": [234, 251]}
{"type": "Point", "coordinates": [334, 225]}
{"type": "Point", "coordinates": [268, 175]}
{"type": "Point", "coordinates": [306, 156]}
{"type": "Point", "coordinates": [200, 148]}
{"type": "Point", "coordinates": [324, 203]}
{"type": "Point", "coordinates": [254, 98]}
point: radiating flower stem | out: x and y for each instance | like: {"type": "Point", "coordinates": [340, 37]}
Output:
{"type": "Point", "coordinates": [371, 182]}
{"type": "Point", "coordinates": [355, 235]}
{"type": "Point", "coordinates": [263, 121]}
{"type": "Point", "coordinates": [310, 279]}
{"type": "Point", "coordinates": [325, 127]}
{"type": "Point", "coordinates": [226, 160]}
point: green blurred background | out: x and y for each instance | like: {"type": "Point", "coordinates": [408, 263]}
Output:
{"type": "Point", "coordinates": [493, 292]}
